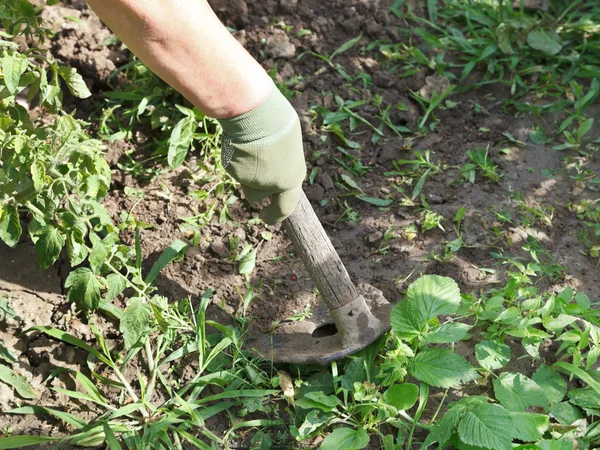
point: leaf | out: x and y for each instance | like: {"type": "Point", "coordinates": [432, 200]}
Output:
{"type": "Point", "coordinates": [319, 382]}
{"type": "Point", "coordinates": [6, 354]}
{"type": "Point", "coordinates": [401, 396]}
{"type": "Point", "coordinates": [10, 226]}
{"type": "Point", "coordinates": [376, 201]}
{"type": "Point", "coordinates": [345, 439]}
{"type": "Point", "coordinates": [111, 439]}
{"type": "Point", "coordinates": [353, 373]}
{"type": "Point", "coordinates": [84, 289]}
{"type": "Point", "coordinates": [404, 322]}
{"type": "Point", "coordinates": [445, 428]}
{"type": "Point", "coordinates": [553, 385]}
{"type": "Point", "coordinates": [559, 322]}
{"type": "Point", "coordinates": [24, 441]}
{"type": "Point", "coordinates": [433, 295]}
{"type": "Point", "coordinates": [174, 252]}
{"type": "Point", "coordinates": [318, 400]}
{"type": "Point", "coordinates": [13, 67]}
{"type": "Point", "coordinates": [442, 368]}
{"type": "Point", "coordinates": [18, 382]}
{"type": "Point", "coordinates": [529, 427]}
{"type": "Point", "coordinates": [116, 285]}
{"type": "Point", "coordinates": [69, 339]}
{"type": "Point", "coordinates": [6, 312]}
{"type": "Point", "coordinates": [540, 40]}
{"type": "Point", "coordinates": [488, 426]}
{"type": "Point", "coordinates": [314, 419]}
{"type": "Point", "coordinates": [74, 82]}
{"type": "Point", "coordinates": [135, 321]}
{"type": "Point", "coordinates": [492, 355]}
{"type": "Point", "coordinates": [566, 413]}
{"type": "Point", "coordinates": [48, 246]}
{"type": "Point", "coordinates": [516, 392]}
{"type": "Point", "coordinates": [345, 46]}
{"type": "Point", "coordinates": [248, 263]}
{"type": "Point", "coordinates": [447, 333]}
{"type": "Point", "coordinates": [350, 182]}
{"type": "Point", "coordinates": [180, 140]}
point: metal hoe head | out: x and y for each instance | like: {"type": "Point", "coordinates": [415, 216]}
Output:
{"type": "Point", "coordinates": [326, 336]}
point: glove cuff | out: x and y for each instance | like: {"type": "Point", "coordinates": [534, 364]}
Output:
{"type": "Point", "coordinates": [270, 120]}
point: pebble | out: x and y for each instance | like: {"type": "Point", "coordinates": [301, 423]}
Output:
{"type": "Point", "coordinates": [435, 199]}
{"type": "Point", "coordinates": [279, 46]}
{"type": "Point", "coordinates": [219, 248]}
{"type": "Point", "coordinates": [288, 6]}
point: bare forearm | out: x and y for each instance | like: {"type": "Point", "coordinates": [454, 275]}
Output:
{"type": "Point", "coordinates": [184, 43]}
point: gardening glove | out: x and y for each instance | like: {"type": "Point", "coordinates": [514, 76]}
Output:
{"type": "Point", "coordinates": [262, 150]}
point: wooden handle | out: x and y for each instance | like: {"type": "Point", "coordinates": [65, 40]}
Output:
{"type": "Point", "coordinates": [319, 256]}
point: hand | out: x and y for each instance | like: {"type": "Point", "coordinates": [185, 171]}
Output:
{"type": "Point", "coordinates": [262, 150]}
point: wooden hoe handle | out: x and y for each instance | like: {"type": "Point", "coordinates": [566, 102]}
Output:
{"type": "Point", "coordinates": [319, 256]}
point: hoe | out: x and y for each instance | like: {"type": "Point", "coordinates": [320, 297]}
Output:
{"type": "Point", "coordinates": [347, 320]}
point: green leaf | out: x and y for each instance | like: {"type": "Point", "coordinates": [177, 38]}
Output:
{"type": "Point", "coordinates": [13, 66]}
{"type": "Point", "coordinates": [553, 385]}
{"type": "Point", "coordinates": [404, 322]}
{"type": "Point", "coordinates": [447, 333]}
{"type": "Point", "coordinates": [401, 396]}
{"type": "Point", "coordinates": [314, 419]}
{"type": "Point", "coordinates": [492, 355]}
{"type": "Point", "coordinates": [97, 256]}
{"type": "Point", "coordinates": [69, 339]}
{"type": "Point", "coordinates": [433, 295]}
{"type": "Point", "coordinates": [551, 444]}
{"type": "Point", "coordinates": [529, 427]}
{"type": "Point", "coordinates": [444, 429]}
{"type": "Point", "coordinates": [116, 285]}
{"type": "Point", "coordinates": [247, 263]}
{"type": "Point", "coordinates": [350, 182]}
{"type": "Point", "coordinates": [24, 441]}
{"type": "Point", "coordinates": [318, 400]}
{"type": "Point", "coordinates": [442, 368]}
{"type": "Point", "coordinates": [585, 398]}
{"type": "Point", "coordinates": [180, 140]}
{"type": "Point", "coordinates": [111, 439]}
{"type": "Point", "coordinates": [542, 41]}
{"type": "Point", "coordinates": [486, 425]}
{"type": "Point", "coordinates": [6, 354]}
{"type": "Point", "coordinates": [71, 419]}
{"type": "Point", "coordinates": [10, 226]}
{"type": "Point", "coordinates": [135, 321]}
{"type": "Point", "coordinates": [345, 439]}
{"type": "Point", "coordinates": [516, 392]}
{"type": "Point", "coordinates": [319, 382]}
{"type": "Point", "coordinates": [18, 382]}
{"type": "Point", "coordinates": [559, 322]}
{"type": "Point", "coordinates": [174, 252]}
{"type": "Point", "coordinates": [6, 312]}
{"type": "Point", "coordinates": [74, 82]}
{"type": "Point", "coordinates": [84, 288]}
{"type": "Point", "coordinates": [566, 413]}
{"type": "Point", "coordinates": [48, 246]}
{"type": "Point", "coordinates": [346, 46]}
{"type": "Point", "coordinates": [354, 373]}
{"type": "Point", "coordinates": [376, 201]}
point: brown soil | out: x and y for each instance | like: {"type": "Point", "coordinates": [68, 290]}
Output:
{"type": "Point", "coordinates": [38, 297]}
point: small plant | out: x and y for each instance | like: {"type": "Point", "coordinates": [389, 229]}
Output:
{"type": "Point", "coordinates": [480, 160]}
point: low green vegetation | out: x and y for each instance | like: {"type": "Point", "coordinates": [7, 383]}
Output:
{"type": "Point", "coordinates": [513, 365]}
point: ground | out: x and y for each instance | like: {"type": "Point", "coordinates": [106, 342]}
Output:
{"type": "Point", "coordinates": [376, 246]}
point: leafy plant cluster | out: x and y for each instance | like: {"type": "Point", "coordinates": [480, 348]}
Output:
{"type": "Point", "coordinates": [144, 105]}
{"type": "Point", "coordinates": [56, 174]}
{"type": "Point", "coordinates": [375, 393]}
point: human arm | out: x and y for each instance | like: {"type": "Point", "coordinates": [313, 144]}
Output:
{"type": "Point", "coordinates": [185, 44]}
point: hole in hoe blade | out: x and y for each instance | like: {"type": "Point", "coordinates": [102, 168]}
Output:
{"type": "Point", "coordinates": [328, 329]}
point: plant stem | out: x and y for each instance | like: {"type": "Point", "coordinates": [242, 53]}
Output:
{"type": "Point", "coordinates": [440, 405]}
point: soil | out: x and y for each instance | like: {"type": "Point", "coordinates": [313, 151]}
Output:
{"type": "Point", "coordinates": [390, 265]}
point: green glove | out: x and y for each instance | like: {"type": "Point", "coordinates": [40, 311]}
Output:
{"type": "Point", "coordinates": [262, 150]}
